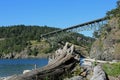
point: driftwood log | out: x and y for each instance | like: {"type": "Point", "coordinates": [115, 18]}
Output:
{"type": "Point", "coordinates": [61, 63]}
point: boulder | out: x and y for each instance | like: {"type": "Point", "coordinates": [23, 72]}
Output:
{"type": "Point", "coordinates": [99, 74]}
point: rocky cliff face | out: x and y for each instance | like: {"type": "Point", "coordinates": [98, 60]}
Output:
{"type": "Point", "coordinates": [107, 46]}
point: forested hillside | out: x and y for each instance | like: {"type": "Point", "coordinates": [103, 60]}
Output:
{"type": "Point", "coordinates": [21, 39]}
{"type": "Point", "coordinates": [16, 38]}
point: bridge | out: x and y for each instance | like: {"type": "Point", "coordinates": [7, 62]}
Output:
{"type": "Point", "coordinates": [80, 27]}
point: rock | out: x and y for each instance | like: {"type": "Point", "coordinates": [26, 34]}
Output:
{"type": "Point", "coordinates": [99, 74]}
{"type": "Point", "coordinates": [75, 78]}
{"type": "Point", "coordinates": [7, 78]}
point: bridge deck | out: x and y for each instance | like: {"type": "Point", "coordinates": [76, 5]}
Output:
{"type": "Point", "coordinates": [76, 26]}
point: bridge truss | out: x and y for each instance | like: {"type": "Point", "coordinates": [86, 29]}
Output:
{"type": "Point", "coordinates": [87, 26]}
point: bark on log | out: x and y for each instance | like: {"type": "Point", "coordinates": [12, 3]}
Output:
{"type": "Point", "coordinates": [54, 70]}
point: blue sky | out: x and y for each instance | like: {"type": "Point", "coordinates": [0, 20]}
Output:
{"type": "Point", "coordinates": [54, 13]}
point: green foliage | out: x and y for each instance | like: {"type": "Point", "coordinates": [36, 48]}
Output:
{"type": "Point", "coordinates": [12, 45]}
{"type": "Point", "coordinates": [95, 63]}
{"type": "Point", "coordinates": [27, 32]}
{"type": "Point", "coordinates": [112, 69]}
{"type": "Point", "coordinates": [77, 71]}
{"type": "Point", "coordinates": [29, 51]}
{"type": "Point", "coordinates": [96, 34]}
{"type": "Point", "coordinates": [46, 78]}
{"type": "Point", "coordinates": [108, 29]}
{"type": "Point", "coordinates": [118, 41]}
{"type": "Point", "coordinates": [17, 38]}
{"type": "Point", "coordinates": [78, 39]}
{"type": "Point", "coordinates": [34, 52]}
{"type": "Point", "coordinates": [115, 13]}
{"type": "Point", "coordinates": [49, 50]}
{"type": "Point", "coordinates": [67, 74]}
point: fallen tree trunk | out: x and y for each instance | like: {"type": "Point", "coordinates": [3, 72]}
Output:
{"type": "Point", "coordinates": [59, 66]}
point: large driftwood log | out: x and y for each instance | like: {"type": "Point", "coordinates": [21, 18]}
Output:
{"type": "Point", "coordinates": [63, 62]}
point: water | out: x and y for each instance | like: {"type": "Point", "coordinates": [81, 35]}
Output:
{"type": "Point", "coordinates": [81, 61]}
{"type": "Point", "coordinates": [10, 67]}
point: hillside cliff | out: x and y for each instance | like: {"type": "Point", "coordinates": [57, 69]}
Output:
{"type": "Point", "coordinates": [107, 46]}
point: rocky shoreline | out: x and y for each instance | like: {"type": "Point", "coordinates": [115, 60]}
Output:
{"type": "Point", "coordinates": [78, 72]}
{"type": "Point", "coordinates": [88, 73]}
{"type": "Point", "coordinates": [23, 56]}
{"type": "Point", "coordinates": [8, 77]}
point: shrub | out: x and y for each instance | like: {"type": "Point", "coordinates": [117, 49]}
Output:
{"type": "Point", "coordinates": [108, 29]}
{"type": "Point", "coordinates": [118, 41]}
{"type": "Point", "coordinates": [49, 50]}
{"type": "Point", "coordinates": [112, 69]}
{"type": "Point", "coordinates": [77, 71]}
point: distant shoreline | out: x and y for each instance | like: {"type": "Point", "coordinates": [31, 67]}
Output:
{"type": "Point", "coordinates": [27, 57]}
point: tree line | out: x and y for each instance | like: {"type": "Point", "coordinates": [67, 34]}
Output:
{"type": "Point", "coordinates": [16, 38]}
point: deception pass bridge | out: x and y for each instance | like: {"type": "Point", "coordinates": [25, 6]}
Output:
{"type": "Point", "coordinates": [77, 28]}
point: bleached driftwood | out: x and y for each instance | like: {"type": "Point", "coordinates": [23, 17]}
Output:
{"type": "Point", "coordinates": [64, 61]}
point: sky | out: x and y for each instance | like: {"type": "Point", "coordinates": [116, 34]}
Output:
{"type": "Point", "coordinates": [53, 13]}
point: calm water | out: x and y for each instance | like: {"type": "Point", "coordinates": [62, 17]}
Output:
{"type": "Point", "coordinates": [16, 66]}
